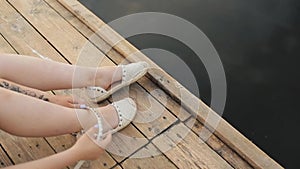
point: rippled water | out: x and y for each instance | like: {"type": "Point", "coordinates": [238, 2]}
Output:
{"type": "Point", "coordinates": [258, 43]}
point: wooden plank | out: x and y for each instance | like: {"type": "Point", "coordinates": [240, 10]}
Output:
{"type": "Point", "coordinates": [186, 150]}
{"type": "Point", "coordinates": [37, 11]}
{"type": "Point", "coordinates": [73, 20]}
{"type": "Point", "coordinates": [79, 25]}
{"type": "Point", "coordinates": [225, 131]}
{"type": "Point", "coordinates": [152, 117]}
{"type": "Point", "coordinates": [22, 150]}
{"type": "Point", "coordinates": [216, 144]}
{"type": "Point", "coordinates": [126, 142]}
{"type": "Point", "coordinates": [117, 167]}
{"type": "Point", "coordinates": [23, 37]}
{"type": "Point", "coordinates": [4, 159]}
{"type": "Point", "coordinates": [5, 47]}
{"type": "Point", "coordinates": [61, 143]}
{"type": "Point", "coordinates": [145, 159]}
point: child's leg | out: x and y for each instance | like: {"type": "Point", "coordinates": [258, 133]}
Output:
{"type": "Point", "coordinates": [26, 116]}
{"type": "Point", "coordinates": [24, 90]}
{"type": "Point", "coordinates": [50, 75]}
{"type": "Point", "coordinates": [67, 101]}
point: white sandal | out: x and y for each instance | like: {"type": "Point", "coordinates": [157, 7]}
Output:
{"type": "Point", "coordinates": [130, 74]}
{"type": "Point", "coordinates": [126, 110]}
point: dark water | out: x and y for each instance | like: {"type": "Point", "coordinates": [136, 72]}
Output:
{"type": "Point", "coordinates": [258, 43]}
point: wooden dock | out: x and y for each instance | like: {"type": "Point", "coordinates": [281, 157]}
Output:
{"type": "Point", "coordinates": [59, 30]}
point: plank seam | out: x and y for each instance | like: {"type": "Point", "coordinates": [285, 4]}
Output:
{"type": "Point", "coordinates": [218, 139]}
{"type": "Point", "coordinates": [38, 32]}
{"type": "Point", "coordinates": [150, 142]}
{"type": "Point", "coordinates": [80, 31]}
{"type": "Point", "coordinates": [52, 146]}
{"type": "Point", "coordinates": [7, 154]}
{"type": "Point", "coordinates": [9, 43]}
{"type": "Point", "coordinates": [116, 165]}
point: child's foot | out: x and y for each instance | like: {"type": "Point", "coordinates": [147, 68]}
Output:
{"type": "Point", "coordinates": [88, 118]}
{"type": "Point", "coordinates": [124, 75]}
{"type": "Point", "coordinates": [106, 76]}
{"type": "Point", "coordinates": [117, 115]}
{"type": "Point", "coordinates": [114, 117]}
{"type": "Point", "coordinates": [109, 117]}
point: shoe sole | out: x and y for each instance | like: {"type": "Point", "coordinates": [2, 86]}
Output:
{"type": "Point", "coordinates": [118, 87]}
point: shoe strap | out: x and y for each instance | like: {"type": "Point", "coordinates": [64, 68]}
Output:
{"type": "Point", "coordinates": [98, 136]}
{"type": "Point", "coordinates": [124, 73]}
{"type": "Point", "coordinates": [119, 114]}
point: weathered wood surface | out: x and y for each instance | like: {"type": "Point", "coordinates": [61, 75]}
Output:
{"type": "Point", "coordinates": [158, 161]}
{"type": "Point", "coordinates": [191, 152]}
{"type": "Point", "coordinates": [216, 144]}
{"type": "Point", "coordinates": [44, 28]}
{"type": "Point", "coordinates": [4, 159]}
{"type": "Point", "coordinates": [225, 131]}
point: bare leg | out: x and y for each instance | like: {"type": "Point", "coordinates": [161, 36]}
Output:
{"type": "Point", "coordinates": [49, 75]}
{"type": "Point", "coordinates": [24, 90]}
{"type": "Point", "coordinates": [23, 115]}
{"type": "Point", "coordinates": [63, 100]}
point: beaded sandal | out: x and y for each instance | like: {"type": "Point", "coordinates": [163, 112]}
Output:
{"type": "Point", "coordinates": [126, 110]}
{"type": "Point", "coordinates": [130, 74]}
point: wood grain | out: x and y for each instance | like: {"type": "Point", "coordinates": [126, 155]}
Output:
{"type": "Point", "coordinates": [216, 144]}
{"type": "Point", "coordinates": [22, 150]}
{"type": "Point", "coordinates": [4, 159]}
{"type": "Point", "coordinates": [145, 159]}
{"type": "Point", "coordinates": [186, 150]}
{"type": "Point", "coordinates": [225, 131]}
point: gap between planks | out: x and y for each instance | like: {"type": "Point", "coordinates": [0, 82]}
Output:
{"type": "Point", "coordinates": [225, 131]}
